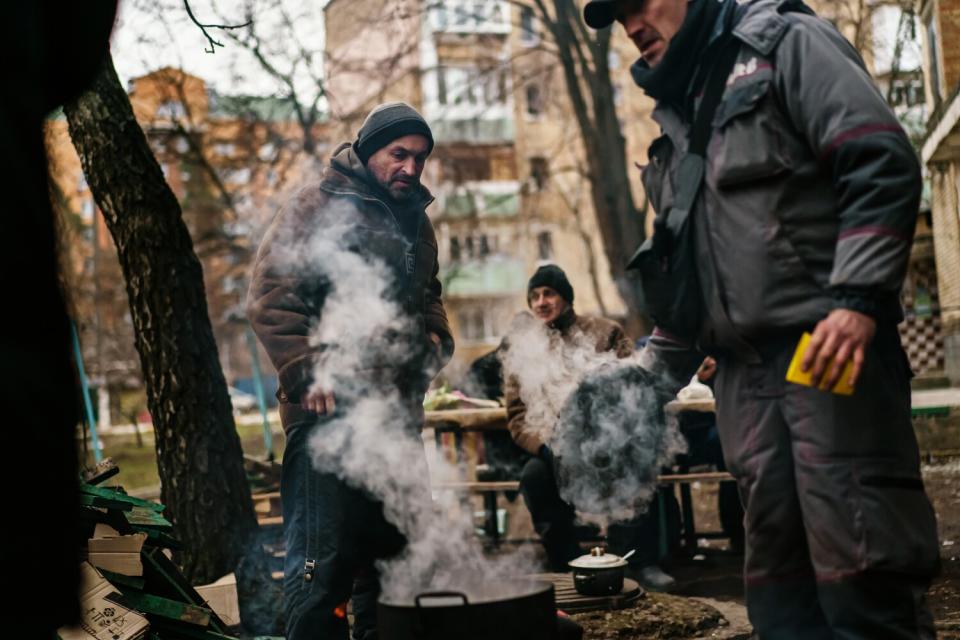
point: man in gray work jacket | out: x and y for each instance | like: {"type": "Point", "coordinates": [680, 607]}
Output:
{"type": "Point", "coordinates": [803, 223]}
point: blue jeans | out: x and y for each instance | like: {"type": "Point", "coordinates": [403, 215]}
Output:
{"type": "Point", "coordinates": [333, 534]}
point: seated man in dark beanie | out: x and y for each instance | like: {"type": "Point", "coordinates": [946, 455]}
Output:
{"type": "Point", "coordinates": [369, 207]}
{"type": "Point", "coordinates": [550, 297]}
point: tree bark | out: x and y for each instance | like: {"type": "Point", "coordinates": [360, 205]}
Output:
{"type": "Point", "coordinates": [200, 460]}
{"type": "Point", "coordinates": [584, 60]}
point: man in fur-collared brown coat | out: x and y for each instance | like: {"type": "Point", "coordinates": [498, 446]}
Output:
{"type": "Point", "coordinates": [550, 297]}
{"type": "Point", "coordinates": [368, 212]}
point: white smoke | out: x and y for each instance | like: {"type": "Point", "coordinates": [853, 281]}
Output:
{"type": "Point", "coordinates": [374, 442]}
{"type": "Point", "coordinates": [598, 414]}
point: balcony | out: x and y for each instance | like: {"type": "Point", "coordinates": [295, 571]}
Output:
{"type": "Point", "coordinates": [460, 16]}
{"type": "Point", "coordinates": [485, 199]}
{"type": "Point", "coordinates": [494, 276]}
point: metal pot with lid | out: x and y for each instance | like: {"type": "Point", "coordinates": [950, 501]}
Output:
{"type": "Point", "coordinates": [507, 610]}
{"type": "Point", "coordinates": [599, 573]}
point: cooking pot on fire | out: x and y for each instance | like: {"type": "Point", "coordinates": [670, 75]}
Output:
{"type": "Point", "coordinates": [509, 610]}
{"type": "Point", "coordinates": [599, 573]}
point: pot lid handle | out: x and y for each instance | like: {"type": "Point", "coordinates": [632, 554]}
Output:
{"type": "Point", "coordinates": [443, 598]}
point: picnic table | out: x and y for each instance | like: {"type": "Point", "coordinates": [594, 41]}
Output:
{"type": "Point", "coordinates": [459, 423]}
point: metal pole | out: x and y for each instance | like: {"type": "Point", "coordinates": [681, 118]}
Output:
{"type": "Point", "coordinates": [88, 405]}
{"type": "Point", "coordinates": [258, 389]}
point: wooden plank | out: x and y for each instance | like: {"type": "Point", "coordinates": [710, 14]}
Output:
{"type": "Point", "coordinates": [467, 419]}
{"type": "Point", "coordinates": [159, 538]}
{"type": "Point", "coordinates": [683, 478]}
{"type": "Point", "coordinates": [118, 579]}
{"type": "Point", "coordinates": [270, 521]}
{"type": "Point", "coordinates": [87, 500]}
{"type": "Point", "coordinates": [147, 518]}
{"type": "Point", "coordinates": [477, 486]}
{"type": "Point", "coordinates": [103, 470]}
{"type": "Point", "coordinates": [510, 485]}
{"type": "Point", "coordinates": [165, 580]}
{"type": "Point", "coordinates": [119, 496]}
{"type": "Point", "coordinates": [267, 467]}
{"type": "Point", "coordinates": [269, 495]}
{"type": "Point", "coordinates": [166, 608]}
{"type": "Point", "coordinates": [170, 630]}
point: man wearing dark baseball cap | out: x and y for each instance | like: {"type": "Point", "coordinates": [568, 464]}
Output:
{"type": "Point", "coordinates": [786, 195]}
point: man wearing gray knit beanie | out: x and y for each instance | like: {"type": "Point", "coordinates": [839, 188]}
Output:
{"type": "Point", "coordinates": [361, 228]}
{"type": "Point", "coordinates": [394, 143]}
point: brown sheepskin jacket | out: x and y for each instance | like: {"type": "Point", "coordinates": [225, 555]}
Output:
{"type": "Point", "coordinates": [606, 335]}
{"type": "Point", "coordinates": [290, 282]}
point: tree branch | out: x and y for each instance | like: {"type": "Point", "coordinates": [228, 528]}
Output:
{"type": "Point", "coordinates": [203, 28]}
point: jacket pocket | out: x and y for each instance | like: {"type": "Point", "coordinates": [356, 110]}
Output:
{"type": "Point", "coordinates": [655, 176]}
{"type": "Point", "coordinates": [869, 515]}
{"type": "Point", "coordinates": [900, 528]}
{"type": "Point", "coordinates": [750, 145]}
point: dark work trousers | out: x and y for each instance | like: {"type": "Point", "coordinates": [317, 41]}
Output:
{"type": "Point", "coordinates": [333, 533]}
{"type": "Point", "coordinates": [841, 539]}
{"type": "Point", "coordinates": [554, 521]}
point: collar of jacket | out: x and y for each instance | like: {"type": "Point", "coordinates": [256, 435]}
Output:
{"type": "Point", "coordinates": [758, 24]}
{"type": "Point", "coordinates": [346, 175]}
{"type": "Point", "coordinates": [564, 321]}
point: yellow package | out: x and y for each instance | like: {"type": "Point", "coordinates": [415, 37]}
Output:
{"type": "Point", "coordinates": [796, 375]}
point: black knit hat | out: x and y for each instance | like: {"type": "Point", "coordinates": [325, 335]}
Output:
{"type": "Point", "coordinates": [550, 275]}
{"type": "Point", "coordinates": [386, 123]}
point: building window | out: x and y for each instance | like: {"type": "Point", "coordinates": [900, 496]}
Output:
{"type": "Point", "coordinates": [181, 144]}
{"type": "Point", "coordinates": [495, 87]}
{"type": "Point", "coordinates": [86, 210]}
{"type": "Point", "coordinates": [171, 110]}
{"type": "Point", "coordinates": [460, 15]}
{"type": "Point", "coordinates": [454, 249]}
{"type": "Point", "coordinates": [441, 85]}
{"type": "Point", "coordinates": [468, 246]}
{"type": "Point", "coordinates": [544, 246]}
{"type": "Point", "coordinates": [528, 28]}
{"type": "Point", "coordinates": [484, 246]}
{"type": "Point", "coordinates": [617, 93]}
{"type": "Point", "coordinates": [474, 325]}
{"type": "Point", "coordinates": [539, 172]}
{"type": "Point", "coordinates": [226, 149]}
{"type": "Point", "coordinates": [613, 60]}
{"type": "Point", "coordinates": [933, 48]}
{"type": "Point", "coordinates": [534, 101]}
{"type": "Point", "coordinates": [496, 16]}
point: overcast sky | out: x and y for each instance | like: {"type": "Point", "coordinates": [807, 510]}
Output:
{"type": "Point", "coordinates": [151, 34]}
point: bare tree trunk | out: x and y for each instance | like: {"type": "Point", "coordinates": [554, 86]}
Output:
{"type": "Point", "coordinates": [584, 60]}
{"type": "Point", "coordinates": [198, 451]}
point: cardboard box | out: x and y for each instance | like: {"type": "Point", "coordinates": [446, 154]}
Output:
{"type": "Point", "coordinates": [103, 619]}
{"type": "Point", "coordinates": [109, 550]}
{"type": "Point", "coordinates": [221, 596]}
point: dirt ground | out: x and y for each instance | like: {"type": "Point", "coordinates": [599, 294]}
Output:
{"type": "Point", "coordinates": [708, 602]}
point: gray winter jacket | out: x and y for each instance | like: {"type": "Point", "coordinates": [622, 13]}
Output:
{"type": "Point", "coordinates": [811, 189]}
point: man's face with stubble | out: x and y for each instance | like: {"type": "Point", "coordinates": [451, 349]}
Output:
{"type": "Point", "coordinates": [652, 24]}
{"type": "Point", "coordinates": [397, 167]}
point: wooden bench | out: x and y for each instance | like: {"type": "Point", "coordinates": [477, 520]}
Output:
{"type": "Point", "coordinates": [462, 421]}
